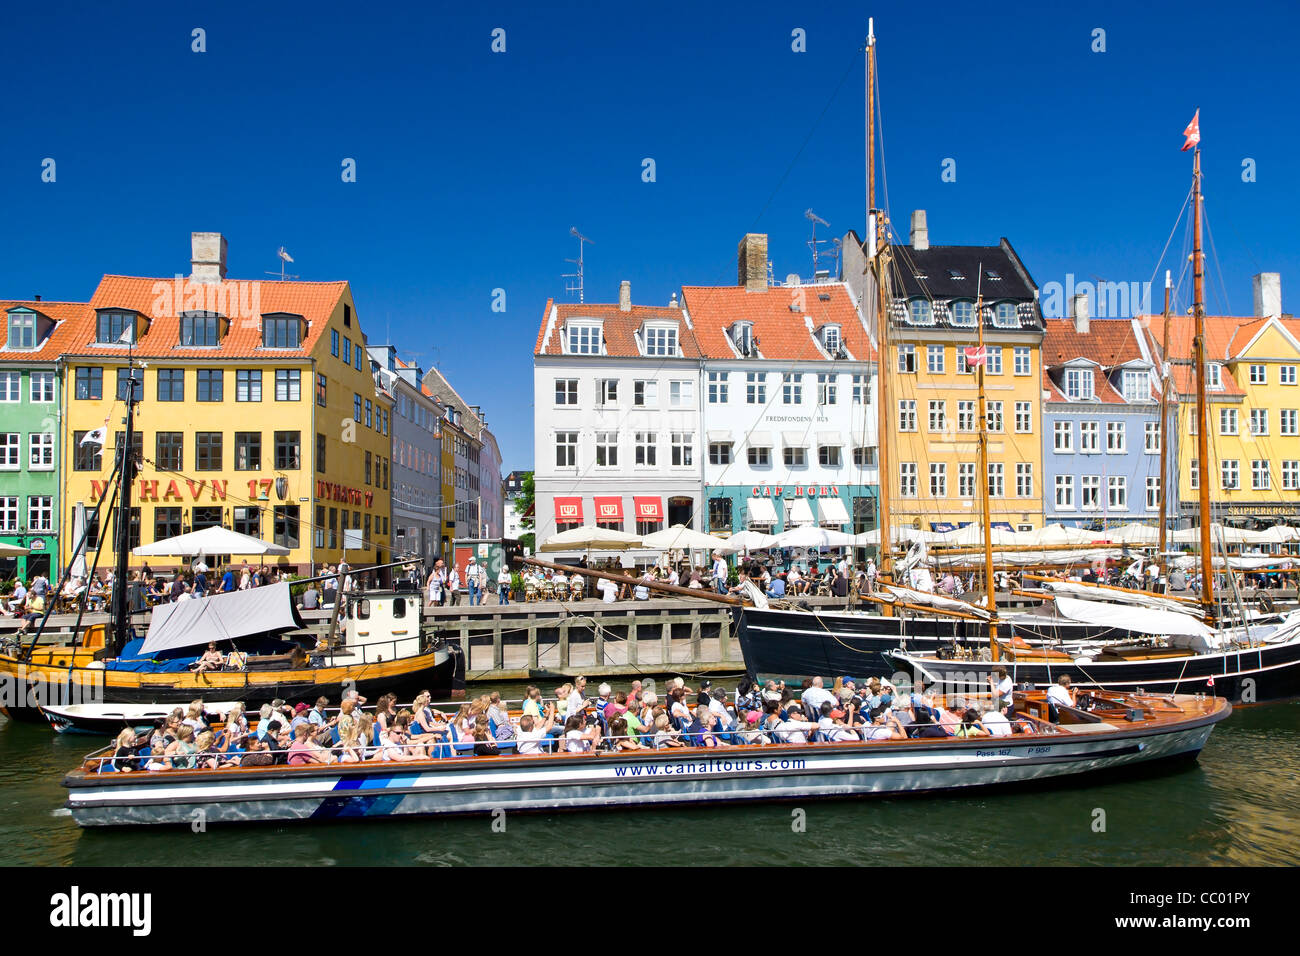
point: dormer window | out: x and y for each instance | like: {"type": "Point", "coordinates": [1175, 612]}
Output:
{"type": "Point", "coordinates": [1004, 316]}
{"type": "Point", "coordinates": [582, 338]}
{"type": "Point", "coordinates": [1078, 384]}
{"type": "Point", "coordinates": [200, 329]}
{"type": "Point", "coordinates": [993, 275]}
{"type": "Point", "coordinates": [1214, 375]}
{"type": "Point", "coordinates": [1135, 386]}
{"type": "Point", "coordinates": [22, 329]}
{"type": "Point", "coordinates": [742, 337]}
{"type": "Point", "coordinates": [282, 330]}
{"type": "Point", "coordinates": [963, 314]}
{"type": "Point", "coordinates": [956, 274]}
{"type": "Point", "coordinates": [831, 340]}
{"type": "Point", "coordinates": [661, 340]}
{"type": "Point", "coordinates": [116, 328]}
{"type": "Point", "coordinates": [920, 312]}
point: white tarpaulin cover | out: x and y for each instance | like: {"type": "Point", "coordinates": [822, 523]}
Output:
{"type": "Point", "coordinates": [808, 537]}
{"type": "Point", "coordinates": [1129, 618]}
{"type": "Point", "coordinates": [1090, 592]}
{"type": "Point", "coordinates": [833, 511]}
{"type": "Point", "coordinates": [221, 617]}
{"type": "Point", "coordinates": [747, 540]}
{"type": "Point", "coordinates": [934, 600]}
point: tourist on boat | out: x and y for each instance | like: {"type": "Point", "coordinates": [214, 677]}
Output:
{"type": "Point", "coordinates": [179, 754]}
{"type": "Point", "coordinates": [664, 735]}
{"type": "Point", "coordinates": [884, 726]}
{"type": "Point", "coordinates": [126, 751]}
{"type": "Point", "coordinates": [578, 737]}
{"type": "Point", "coordinates": [1061, 693]}
{"type": "Point", "coordinates": [195, 718]}
{"type": "Point", "coordinates": [212, 660]}
{"type": "Point", "coordinates": [624, 737]}
{"type": "Point", "coordinates": [236, 721]}
{"type": "Point", "coordinates": [817, 694]}
{"type": "Point", "coordinates": [532, 731]}
{"type": "Point", "coordinates": [304, 750]}
{"type": "Point", "coordinates": [1001, 684]}
{"type": "Point", "coordinates": [577, 703]}
{"type": "Point", "coordinates": [256, 754]}
{"type": "Point", "coordinates": [790, 730]}
{"type": "Point", "coordinates": [385, 711]}
{"type": "Point", "coordinates": [995, 720]}
{"type": "Point", "coordinates": [532, 706]}
{"type": "Point", "coordinates": [970, 725]}
{"type": "Point", "coordinates": [393, 745]}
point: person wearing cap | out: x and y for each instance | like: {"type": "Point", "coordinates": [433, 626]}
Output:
{"type": "Point", "coordinates": [995, 720]}
{"type": "Point", "coordinates": [885, 726]}
{"type": "Point", "coordinates": [719, 573]}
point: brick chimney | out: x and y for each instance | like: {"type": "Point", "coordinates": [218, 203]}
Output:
{"type": "Point", "coordinates": [625, 296]}
{"type": "Point", "coordinates": [751, 262]}
{"type": "Point", "coordinates": [1079, 312]}
{"type": "Point", "coordinates": [207, 257]}
{"type": "Point", "coordinates": [920, 231]}
{"type": "Point", "coordinates": [1268, 294]}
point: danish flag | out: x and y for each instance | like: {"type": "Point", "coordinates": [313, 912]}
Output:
{"type": "Point", "coordinates": [976, 355]}
{"type": "Point", "coordinates": [1193, 132]}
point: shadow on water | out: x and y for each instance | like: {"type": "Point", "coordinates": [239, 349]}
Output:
{"type": "Point", "coordinates": [1235, 806]}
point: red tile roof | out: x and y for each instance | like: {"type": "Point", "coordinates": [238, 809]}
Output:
{"type": "Point", "coordinates": [1225, 335]}
{"type": "Point", "coordinates": [69, 318]}
{"type": "Point", "coordinates": [1108, 342]}
{"type": "Point", "coordinates": [619, 328]}
{"type": "Point", "coordinates": [782, 334]}
{"type": "Point", "coordinates": [156, 300]}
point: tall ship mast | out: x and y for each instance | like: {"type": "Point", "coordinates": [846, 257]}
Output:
{"type": "Point", "coordinates": [878, 237]}
{"type": "Point", "coordinates": [1198, 344]}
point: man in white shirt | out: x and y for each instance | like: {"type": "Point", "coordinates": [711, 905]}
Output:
{"type": "Point", "coordinates": [817, 694]}
{"type": "Point", "coordinates": [995, 721]}
{"type": "Point", "coordinates": [1061, 693]}
{"type": "Point", "coordinates": [529, 736]}
{"type": "Point", "coordinates": [790, 731]}
{"type": "Point", "coordinates": [608, 590]}
{"type": "Point", "coordinates": [1001, 684]}
{"type": "Point", "coordinates": [453, 586]}
{"type": "Point", "coordinates": [719, 573]}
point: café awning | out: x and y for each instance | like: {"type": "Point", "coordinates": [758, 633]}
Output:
{"type": "Point", "coordinates": [761, 511]}
{"type": "Point", "coordinates": [794, 439]}
{"type": "Point", "coordinates": [648, 509]}
{"type": "Point", "coordinates": [800, 513]}
{"type": "Point", "coordinates": [609, 509]}
{"type": "Point", "coordinates": [568, 510]}
{"type": "Point", "coordinates": [833, 511]}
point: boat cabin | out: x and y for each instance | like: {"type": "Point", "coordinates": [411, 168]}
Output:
{"type": "Point", "coordinates": [383, 626]}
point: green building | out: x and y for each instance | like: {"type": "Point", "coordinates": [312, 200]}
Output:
{"type": "Point", "coordinates": [31, 461]}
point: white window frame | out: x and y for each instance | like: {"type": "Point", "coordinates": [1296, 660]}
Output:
{"type": "Point", "coordinates": [40, 445]}
{"type": "Point", "coordinates": [1116, 438]}
{"type": "Point", "coordinates": [1022, 360]}
{"type": "Point", "coordinates": [907, 479]}
{"type": "Point", "coordinates": [907, 415]}
{"type": "Point", "coordinates": [1063, 437]}
{"type": "Point", "coordinates": [966, 479]}
{"type": "Point", "coordinates": [1116, 493]}
{"type": "Point", "coordinates": [1064, 502]}
{"type": "Point", "coordinates": [1090, 438]}
{"type": "Point", "coordinates": [934, 359]}
{"type": "Point", "coordinates": [1024, 418]}
{"type": "Point", "coordinates": [1090, 487]}
{"type": "Point", "coordinates": [938, 479]}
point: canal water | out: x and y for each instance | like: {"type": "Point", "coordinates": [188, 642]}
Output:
{"type": "Point", "coordinates": [1236, 806]}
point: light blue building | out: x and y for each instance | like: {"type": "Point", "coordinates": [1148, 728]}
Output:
{"type": "Point", "coordinates": [1101, 435]}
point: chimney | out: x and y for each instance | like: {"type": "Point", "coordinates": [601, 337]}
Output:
{"type": "Point", "coordinates": [38, 298]}
{"type": "Point", "coordinates": [207, 257]}
{"type": "Point", "coordinates": [672, 303]}
{"type": "Point", "coordinates": [751, 271]}
{"type": "Point", "coordinates": [1268, 294]}
{"type": "Point", "coordinates": [920, 231]}
{"type": "Point", "coordinates": [1079, 312]}
{"type": "Point", "coordinates": [625, 296]}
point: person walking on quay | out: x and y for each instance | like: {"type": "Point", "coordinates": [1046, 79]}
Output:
{"type": "Point", "coordinates": [435, 586]}
{"type": "Point", "coordinates": [453, 586]}
{"type": "Point", "coordinates": [503, 585]}
{"type": "Point", "coordinates": [471, 580]}
{"type": "Point", "coordinates": [719, 573]}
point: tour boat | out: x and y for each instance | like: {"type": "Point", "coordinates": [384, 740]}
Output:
{"type": "Point", "coordinates": [1106, 732]}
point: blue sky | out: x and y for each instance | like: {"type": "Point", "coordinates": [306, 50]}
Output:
{"type": "Point", "coordinates": [473, 165]}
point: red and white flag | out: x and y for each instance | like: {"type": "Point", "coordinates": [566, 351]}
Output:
{"type": "Point", "coordinates": [1211, 680]}
{"type": "Point", "coordinates": [976, 355]}
{"type": "Point", "coordinates": [1193, 132]}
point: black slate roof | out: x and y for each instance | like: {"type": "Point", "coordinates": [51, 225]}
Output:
{"type": "Point", "coordinates": [953, 272]}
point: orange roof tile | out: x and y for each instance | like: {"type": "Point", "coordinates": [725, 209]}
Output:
{"type": "Point", "coordinates": [782, 334]}
{"type": "Point", "coordinates": [619, 328]}
{"type": "Point", "coordinates": [1108, 342]}
{"type": "Point", "coordinates": [1225, 335]}
{"type": "Point", "coordinates": [156, 300]}
{"type": "Point", "coordinates": [69, 318]}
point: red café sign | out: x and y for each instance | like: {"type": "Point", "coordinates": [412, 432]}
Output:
{"type": "Point", "coordinates": [329, 491]}
{"type": "Point", "coordinates": [800, 491]}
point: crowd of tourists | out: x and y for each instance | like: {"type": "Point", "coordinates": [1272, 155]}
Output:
{"type": "Point", "coordinates": [571, 721]}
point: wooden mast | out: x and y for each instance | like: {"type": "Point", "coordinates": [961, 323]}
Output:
{"type": "Point", "coordinates": [1202, 414]}
{"type": "Point", "coordinates": [878, 237]}
{"type": "Point", "coordinates": [990, 586]}
{"type": "Point", "coordinates": [1164, 422]}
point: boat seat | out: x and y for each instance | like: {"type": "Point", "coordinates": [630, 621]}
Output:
{"type": "Point", "coordinates": [1097, 728]}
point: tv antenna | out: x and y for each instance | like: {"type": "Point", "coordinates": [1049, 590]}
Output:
{"type": "Point", "coordinates": [285, 258]}
{"type": "Point", "coordinates": [576, 286]}
{"type": "Point", "coordinates": [814, 242]}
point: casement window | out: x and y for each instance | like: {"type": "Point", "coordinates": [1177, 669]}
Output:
{"type": "Point", "coordinates": [907, 479]}
{"type": "Point", "coordinates": [1063, 437]}
{"type": "Point", "coordinates": [718, 388]}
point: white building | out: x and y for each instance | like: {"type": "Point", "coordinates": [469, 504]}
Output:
{"type": "Point", "coordinates": [617, 418]}
{"type": "Point", "coordinates": [789, 401]}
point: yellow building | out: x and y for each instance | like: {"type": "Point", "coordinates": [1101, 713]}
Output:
{"type": "Point", "coordinates": [257, 411]}
{"type": "Point", "coordinates": [932, 457]}
{"type": "Point", "coordinates": [1253, 401]}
